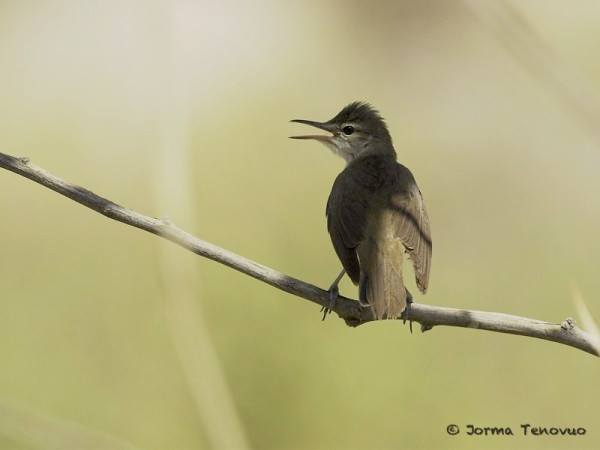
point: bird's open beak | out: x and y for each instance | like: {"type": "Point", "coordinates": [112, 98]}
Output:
{"type": "Point", "coordinates": [318, 137]}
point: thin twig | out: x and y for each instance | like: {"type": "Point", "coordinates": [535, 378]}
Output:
{"type": "Point", "coordinates": [349, 310]}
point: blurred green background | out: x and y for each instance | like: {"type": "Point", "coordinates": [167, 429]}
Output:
{"type": "Point", "coordinates": [111, 338]}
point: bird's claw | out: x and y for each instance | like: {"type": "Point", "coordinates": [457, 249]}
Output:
{"type": "Point", "coordinates": [333, 295]}
{"type": "Point", "coordinates": [406, 312]}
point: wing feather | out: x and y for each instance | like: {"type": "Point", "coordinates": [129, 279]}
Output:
{"type": "Point", "coordinates": [411, 224]}
{"type": "Point", "coordinates": [346, 220]}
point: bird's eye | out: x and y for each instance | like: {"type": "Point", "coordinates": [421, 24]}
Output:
{"type": "Point", "coordinates": [348, 130]}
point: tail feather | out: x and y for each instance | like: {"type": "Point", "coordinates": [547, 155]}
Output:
{"type": "Point", "coordinates": [381, 285]}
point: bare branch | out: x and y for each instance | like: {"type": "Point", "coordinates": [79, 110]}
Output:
{"type": "Point", "coordinates": [349, 310]}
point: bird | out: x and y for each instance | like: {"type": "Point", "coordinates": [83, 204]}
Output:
{"type": "Point", "coordinates": [375, 212]}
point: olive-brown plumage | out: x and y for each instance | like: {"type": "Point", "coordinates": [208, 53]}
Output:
{"type": "Point", "coordinates": [375, 212]}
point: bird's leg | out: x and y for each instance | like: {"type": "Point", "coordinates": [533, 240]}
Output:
{"type": "Point", "coordinates": [406, 313]}
{"type": "Point", "coordinates": [333, 295]}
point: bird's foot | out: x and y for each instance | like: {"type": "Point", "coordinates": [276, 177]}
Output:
{"type": "Point", "coordinates": [406, 313]}
{"type": "Point", "coordinates": [333, 295]}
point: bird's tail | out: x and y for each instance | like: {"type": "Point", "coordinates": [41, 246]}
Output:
{"type": "Point", "coordinates": [381, 286]}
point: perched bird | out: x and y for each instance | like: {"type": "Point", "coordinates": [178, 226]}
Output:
{"type": "Point", "coordinates": [375, 212]}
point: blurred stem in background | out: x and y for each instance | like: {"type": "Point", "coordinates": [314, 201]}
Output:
{"type": "Point", "coordinates": [535, 55]}
{"type": "Point", "coordinates": [29, 426]}
{"type": "Point", "coordinates": [179, 275]}
{"type": "Point", "coordinates": [587, 320]}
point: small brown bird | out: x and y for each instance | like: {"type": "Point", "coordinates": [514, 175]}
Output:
{"type": "Point", "coordinates": [375, 212]}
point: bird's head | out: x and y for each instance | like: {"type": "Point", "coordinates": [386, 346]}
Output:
{"type": "Point", "coordinates": [356, 129]}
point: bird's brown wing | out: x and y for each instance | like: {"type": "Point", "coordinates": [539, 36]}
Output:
{"type": "Point", "coordinates": [346, 220]}
{"type": "Point", "coordinates": [411, 223]}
